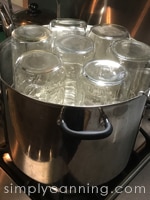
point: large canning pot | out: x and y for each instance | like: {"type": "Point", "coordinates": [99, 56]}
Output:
{"type": "Point", "coordinates": [60, 144]}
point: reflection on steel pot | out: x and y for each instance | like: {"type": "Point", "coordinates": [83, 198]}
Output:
{"type": "Point", "coordinates": [56, 144]}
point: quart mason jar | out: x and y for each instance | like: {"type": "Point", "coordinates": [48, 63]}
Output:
{"type": "Point", "coordinates": [29, 37]}
{"type": "Point", "coordinates": [66, 26]}
{"type": "Point", "coordinates": [40, 75]}
{"type": "Point", "coordinates": [135, 57]}
{"type": "Point", "coordinates": [104, 35]}
{"type": "Point", "coordinates": [74, 51]}
{"type": "Point", "coordinates": [61, 26]}
{"type": "Point", "coordinates": [101, 82]}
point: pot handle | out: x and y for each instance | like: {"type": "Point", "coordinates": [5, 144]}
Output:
{"type": "Point", "coordinates": [86, 135]}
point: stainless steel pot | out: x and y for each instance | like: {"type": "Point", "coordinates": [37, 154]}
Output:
{"type": "Point", "coordinates": [56, 144]}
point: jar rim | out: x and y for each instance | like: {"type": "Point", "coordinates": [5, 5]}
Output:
{"type": "Point", "coordinates": [68, 22]}
{"type": "Point", "coordinates": [74, 44]}
{"type": "Point", "coordinates": [31, 33]}
{"type": "Point", "coordinates": [110, 31]}
{"type": "Point", "coordinates": [104, 72]}
{"type": "Point", "coordinates": [38, 62]}
{"type": "Point", "coordinates": [131, 50]}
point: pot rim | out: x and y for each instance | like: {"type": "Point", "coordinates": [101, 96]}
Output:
{"type": "Point", "coordinates": [146, 93]}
